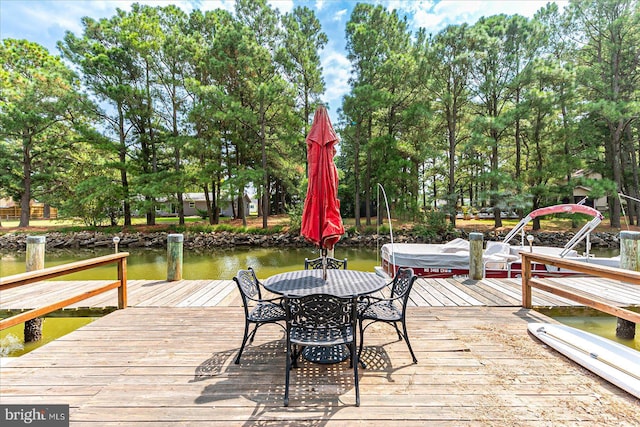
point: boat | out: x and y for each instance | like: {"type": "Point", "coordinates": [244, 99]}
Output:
{"type": "Point", "coordinates": [616, 363]}
{"type": "Point", "coordinates": [500, 259]}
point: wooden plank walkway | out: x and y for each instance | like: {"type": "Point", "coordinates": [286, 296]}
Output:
{"type": "Point", "coordinates": [210, 293]}
{"type": "Point", "coordinates": [173, 366]}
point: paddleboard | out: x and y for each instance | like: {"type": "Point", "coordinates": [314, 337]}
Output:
{"type": "Point", "coordinates": [616, 363]}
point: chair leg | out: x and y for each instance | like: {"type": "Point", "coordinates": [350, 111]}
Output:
{"type": "Point", "coordinates": [253, 333]}
{"type": "Point", "coordinates": [406, 338]}
{"type": "Point", "coordinates": [244, 341]}
{"type": "Point", "coordinates": [395, 325]}
{"type": "Point", "coordinates": [287, 373]}
{"type": "Point", "coordinates": [297, 351]}
{"type": "Point", "coordinates": [354, 362]}
{"type": "Point", "coordinates": [364, 366]}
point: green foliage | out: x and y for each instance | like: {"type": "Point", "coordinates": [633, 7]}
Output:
{"type": "Point", "coordinates": [370, 230]}
{"type": "Point", "coordinates": [498, 113]}
{"type": "Point", "coordinates": [202, 213]}
{"type": "Point", "coordinates": [295, 217]}
{"type": "Point", "coordinates": [435, 223]}
{"type": "Point", "coordinates": [265, 231]}
{"type": "Point", "coordinates": [95, 201]}
{"type": "Point", "coordinates": [352, 230]}
{"type": "Point", "coordinates": [227, 227]}
{"type": "Point", "coordinates": [96, 228]}
{"type": "Point", "coordinates": [383, 229]}
{"type": "Point", "coordinates": [220, 228]}
{"type": "Point", "coordinates": [40, 109]}
{"type": "Point", "coordinates": [202, 228]}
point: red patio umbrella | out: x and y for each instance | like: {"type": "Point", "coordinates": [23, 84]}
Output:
{"type": "Point", "coordinates": [321, 220]}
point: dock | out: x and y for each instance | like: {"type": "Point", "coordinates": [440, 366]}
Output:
{"type": "Point", "coordinates": [223, 293]}
{"type": "Point", "coordinates": [167, 360]}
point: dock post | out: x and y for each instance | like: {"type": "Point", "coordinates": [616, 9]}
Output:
{"type": "Point", "coordinates": [476, 270]}
{"type": "Point", "coordinates": [174, 256]}
{"type": "Point", "coordinates": [630, 260]}
{"type": "Point", "coordinates": [34, 261]}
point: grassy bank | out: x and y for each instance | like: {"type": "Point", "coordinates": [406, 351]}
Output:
{"type": "Point", "coordinates": [277, 223]}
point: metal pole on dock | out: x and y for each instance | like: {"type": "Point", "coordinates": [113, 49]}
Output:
{"type": "Point", "coordinates": [475, 256]}
{"type": "Point", "coordinates": [174, 257]}
{"type": "Point", "coordinates": [34, 261]}
{"type": "Point", "coordinates": [629, 260]}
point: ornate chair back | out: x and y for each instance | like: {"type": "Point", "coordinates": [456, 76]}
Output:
{"type": "Point", "coordinates": [332, 263]}
{"type": "Point", "coordinates": [321, 320]}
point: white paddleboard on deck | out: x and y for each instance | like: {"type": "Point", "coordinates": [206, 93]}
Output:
{"type": "Point", "coordinates": [618, 364]}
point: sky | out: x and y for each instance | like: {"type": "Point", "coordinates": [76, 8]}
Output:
{"type": "Point", "coordinates": [46, 21]}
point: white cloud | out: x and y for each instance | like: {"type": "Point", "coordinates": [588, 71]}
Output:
{"type": "Point", "coordinates": [339, 15]}
{"type": "Point", "coordinates": [436, 15]}
{"type": "Point", "coordinates": [228, 5]}
{"type": "Point", "coordinates": [285, 6]}
{"type": "Point", "coordinates": [336, 70]}
{"type": "Point", "coordinates": [46, 21]}
{"type": "Point", "coordinates": [319, 5]}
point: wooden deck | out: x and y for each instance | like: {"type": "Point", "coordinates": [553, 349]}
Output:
{"type": "Point", "coordinates": [211, 293]}
{"type": "Point", "coordinates": [174, 366]}
{"type": "Point", "coordinates": [167, 359]}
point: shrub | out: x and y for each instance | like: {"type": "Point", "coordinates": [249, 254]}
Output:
{"type": "Point", "coordinates": [268, 231]}
{"type": "Point", "coordinates": [295, 217]}
{"type": "Point", "coordinates": [225, 227]}
{"type": "Point", "coordinates": [201, 228]}
{"type": "Point", "coordinates": [370, 230]}
{"type": "Point", "coordinates": [202, 214]}
{"type": "Point", "coordinates": [352, 231]}
{"type": "Point", "coordinates": [435, 223]}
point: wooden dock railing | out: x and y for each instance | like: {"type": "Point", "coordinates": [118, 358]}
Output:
{"type": "Point", "coordinates": [587, 299]}
{"type": "Point", "coordinates": [61, 270]}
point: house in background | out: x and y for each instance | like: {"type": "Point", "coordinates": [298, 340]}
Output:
{"type": "Point", "coordinates": [194, 203]}
{"type": "Point", "coordinates": [9, 209]}
{"type": "Point", "coordinates": [582, 191]}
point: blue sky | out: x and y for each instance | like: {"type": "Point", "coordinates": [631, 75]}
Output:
{"type": "Point", "coordinates": [45, 22]}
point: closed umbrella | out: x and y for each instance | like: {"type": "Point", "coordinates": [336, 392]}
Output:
{"type": "Point", "coordinates": [321, 220]}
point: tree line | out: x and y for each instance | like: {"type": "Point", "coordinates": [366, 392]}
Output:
{"type": "Point", "coordinates": [499, 113]}
{"type": "Point", "coordinates": [151, 103]}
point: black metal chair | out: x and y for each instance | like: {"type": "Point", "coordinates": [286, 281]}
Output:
{"type": "Point", "coordinates": [390, 310]}
{"type": "Point", "coordinates": [257, 311]}
{"type": "Point", "coordinates": [332, 263]}
{"type": "Point", "coordinates": [321, 320]}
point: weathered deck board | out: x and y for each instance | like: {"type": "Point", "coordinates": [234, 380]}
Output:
{"type": "Point", "coordinates": [457, 296]}
{"type": "Point", "coordinates": [209, 293]}
{"type": "Point", "coordinates": [209, 296]}
{"type": "Point", "coordinates": [606, 288]}
{"type": "Point", "coordinates": [174, 366]}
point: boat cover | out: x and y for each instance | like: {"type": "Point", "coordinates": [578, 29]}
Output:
{"type": "Point", "coordinates": [424, 255]}
{"type": "Point", "coordinates": [455, 254]}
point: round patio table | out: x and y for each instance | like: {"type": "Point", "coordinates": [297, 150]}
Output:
{"type": "Point", "coordinates": [341, 283]}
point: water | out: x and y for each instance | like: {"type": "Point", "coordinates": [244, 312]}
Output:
{"type": "Point", "coordinates": [604, 326]}
{"type": "Point", "coordinates": [221, 264]}
{"type": "Point", "coordinates": [151, 264]}
{"type": "Point", "coordinates": [12, 339]}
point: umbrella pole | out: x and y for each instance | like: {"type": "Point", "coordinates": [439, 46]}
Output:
{"type": "Point", "coordinates": [324, 263]}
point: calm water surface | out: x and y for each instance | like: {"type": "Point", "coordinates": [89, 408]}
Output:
{"type": "Point", "coordinates": [12, 339]}
{"type": "Point", "coordinates": [151, 264]}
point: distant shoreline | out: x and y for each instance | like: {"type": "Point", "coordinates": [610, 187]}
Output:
{"type": "Point", "coordinates": [198, 240]}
